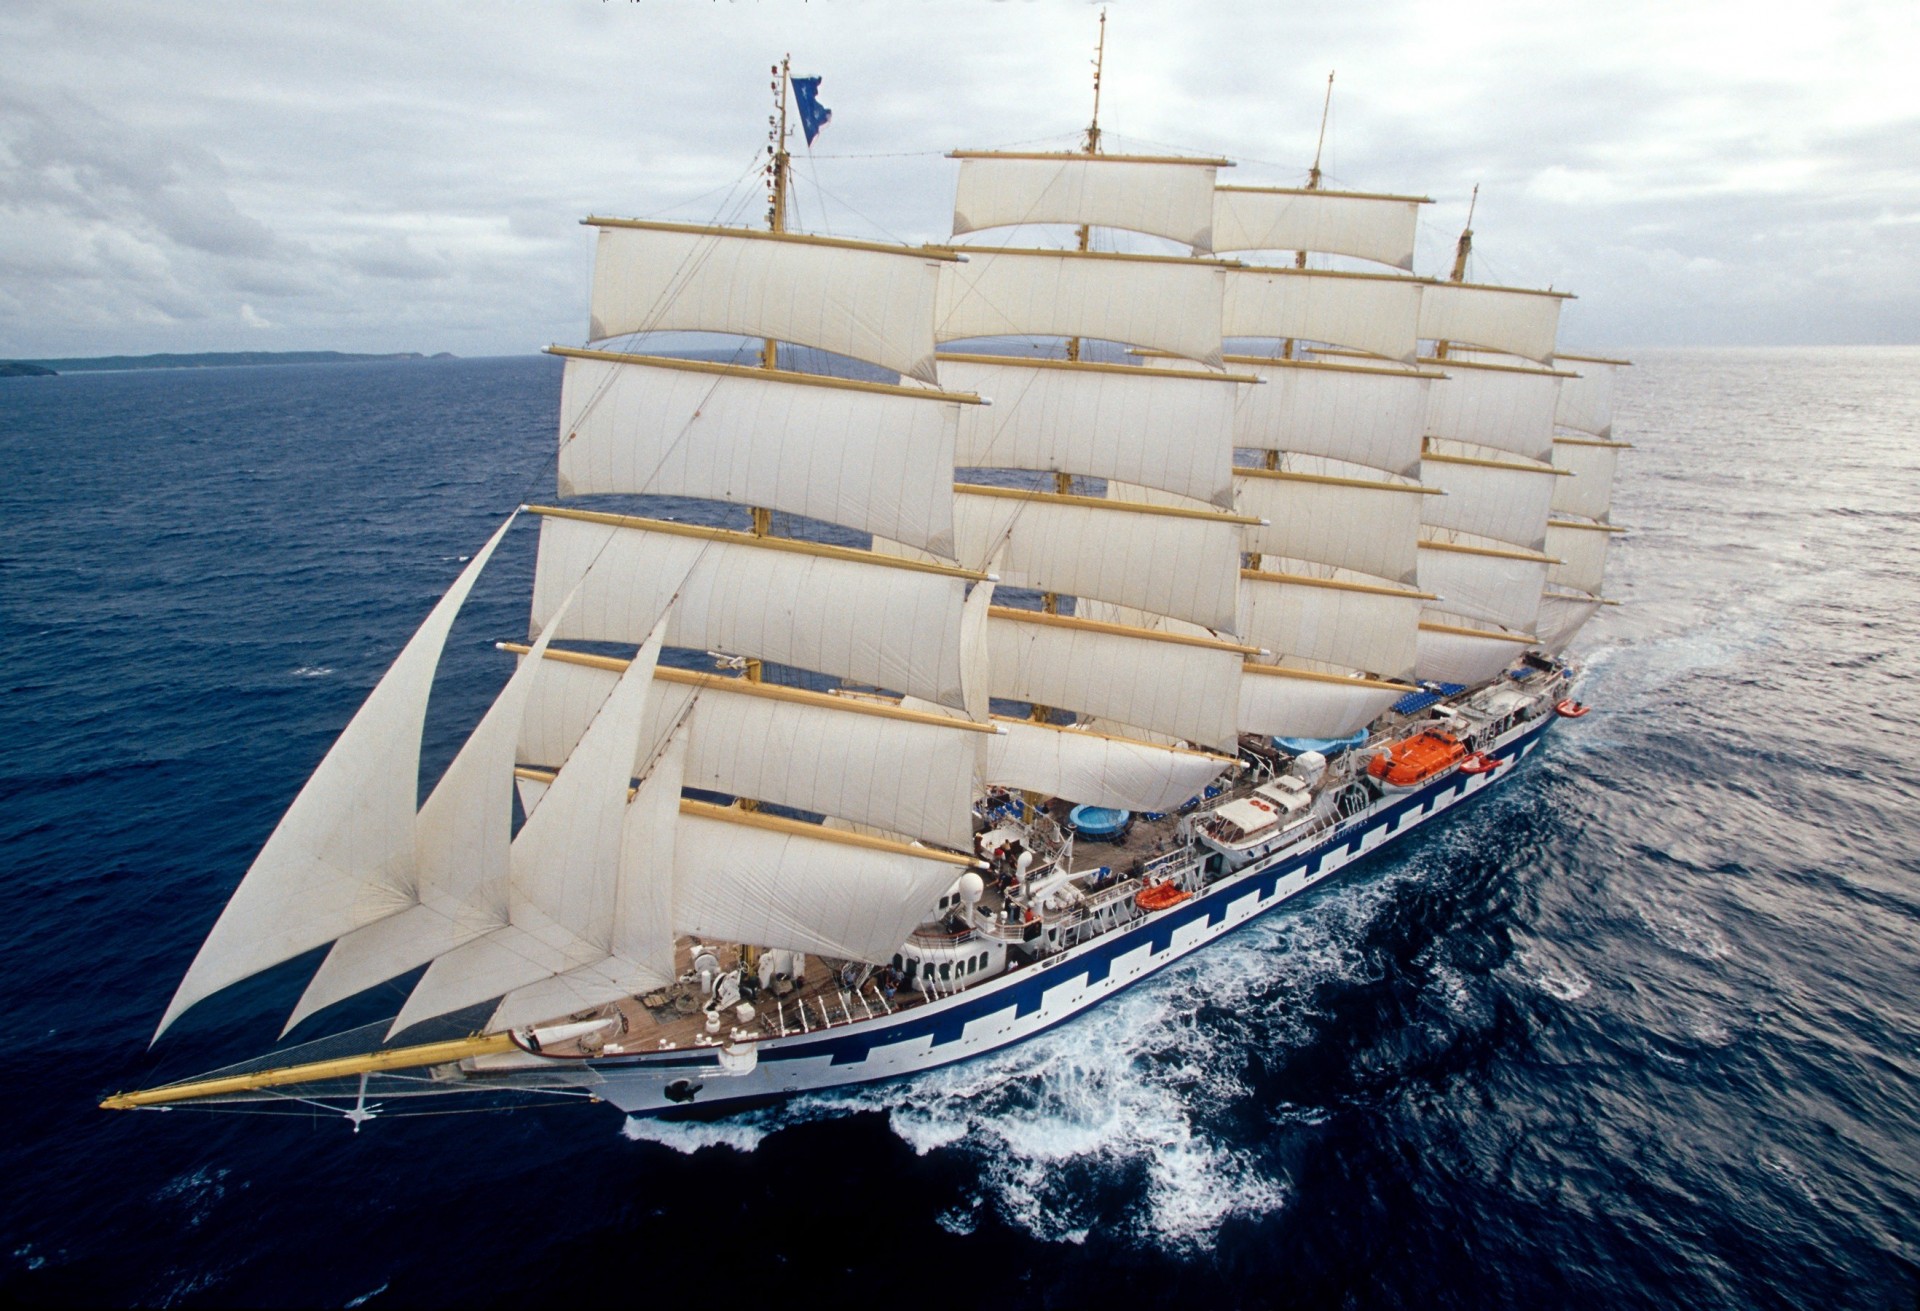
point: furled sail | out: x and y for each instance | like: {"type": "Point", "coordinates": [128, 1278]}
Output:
{"type": "Point", "coordinates": [1097, 769]}
{"type": "Point", "coordinates": [1368, 415]}
{"type": "Point", "coordinates": [870, 456]}
{"type": "Point", "coordinates": [857, 759]}
{"type": "Point", "coordinates": [1359, 626]}
{"type": "Point", "coordinates": [1306, 703]}
{"type": "Point", "coordinates": [873, 619]}
{"type": "Point", "coordinates": [1498, 406]}
{"type": "Point", "coordinates": [1165, 428]}
{"type": "Point", "coordinates": [1167, 559]}
{"type": "Point", "coordinates": [1511, 319]}
{"type": "Point", "coordinates": [1156, 301]}
{"type": "Point", "coordinates": [1163, 196]}
{"type": "Point", "coordinates": [780, 883]}
{"type": "Point", "coordinates": [1378, 313]}
{"type": "Point", "coordinates": [1179, 685]}
{"type": "Point", "coordinates": [343, 854]}
{"type": "Point", "coordinates": [1375, 227]}
{"type": "Point", "coordinates": [855, 298]}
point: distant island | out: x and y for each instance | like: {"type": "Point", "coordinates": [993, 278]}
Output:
{"type": "Point", "coordinates": [206, 360]}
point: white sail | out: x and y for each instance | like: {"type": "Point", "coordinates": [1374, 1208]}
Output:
{"type": "Point", "coordinates": [875, 458]}
{"type": "Point", "coordinates": [1508, 409]}
{"type": "Point", "coordinates": [1484, 580]}
{"type": "Point", "coordinates": [871, 302]}
{"type": "Point", "coordinates": [863, 617]}
{"type": "Point", "coordinates": [1589, 493]}
{"type": "Point", "coordinates": [1378, 313]}
{"type": "Point", "coordinates": [640, 945]}
{"type": "Point", "coordinates": [852, 758]}
{"type": "Point", "coordinates": [1562, 616]}
{"type": "Point", "coordinates": [1488, 494]}
{"type": "Point", "coordinates": [1299, 703]}
{"type": "Point", "coordinates": [462, 851]}
{"type": "Point", "coordinates": [1356, 626]}
{"type": "Point", "coordinates": [566, 867]}
{"type": "Point", "coordinates": [753, 878]}
{"type": "Point", "coordinates": [1180, 686]}
{"type": "Point", "coordinates": [1166, 428]}
{"type": "Point", "coordinates": [1097, 769]}
{"type": "Point", "coordinates": [1581, 550]}
{"type": "Point", "coordinates": [343, 854]}
{"type": "Point", "coordinates": [1374, 227]}
{"type": "Point", "coordinates": [1511, 319]}
{"type": "Point", "coordinates": [1371, 526]}
{"type": "Point", "coordinates": [1586, 401]}
{"type": "Point", "coordinates": [1170, 561]}
{"type": "Point", "coordinates": [1160, 196]}
{"type": "Point", "coordinates": [1463, 653]}
{"type": "Point", "coordinates": [1159, 302]}
{"type": "Point", "coordinates": [1372, 416]}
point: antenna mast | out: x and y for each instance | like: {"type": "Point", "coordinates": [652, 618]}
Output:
{"type": "Point", "coordinates": [1465, 244]}
{"type": "Point", "coordinates": [1092, 147]}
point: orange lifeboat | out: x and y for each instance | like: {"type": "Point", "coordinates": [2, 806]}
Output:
{"type": "Point", "coordinates": [1159, 896]}
{"type": "Point", "coordinates": [1415, 759]}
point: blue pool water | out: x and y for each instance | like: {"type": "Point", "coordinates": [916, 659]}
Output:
{"type": "Point", "coordinates": [1641, 1030]}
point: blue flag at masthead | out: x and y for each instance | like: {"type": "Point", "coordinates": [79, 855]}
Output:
{"type": "Point", "coordinates": [813, 114]}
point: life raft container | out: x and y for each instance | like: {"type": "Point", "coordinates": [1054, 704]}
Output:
{"type": "Point", "coordinates": [1415, 759]}
{"type": "Point", "coordinates": [1159, 896]}
{"type": "Point", "coordinates": [1480, 764]}
{"type": "Point", "coordinates": [1570, 709]}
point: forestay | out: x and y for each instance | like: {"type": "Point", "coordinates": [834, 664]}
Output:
{"type": "Point", "coordinates": [1097, 769]}
{"type": "Point", "coordinates": [875, 458]}
{"type": "Point", "coordinates": [1378, 313]}
{"type": "Point", "coordinates": [1163, 197]}
{"type": "Point", "coordinates": [1509, 319]}
{"type": "Point", "coordinates": [863, 617]}
{"type": "Point", "coordinates": [1162, 303]}
{"type": "Point", "coordinates": [1183, 688]}
{"type": "Point", "coordinates": [1379, 228]}
{"type": "Point", "coordinates": [867, 301]}
{"type": "Point", "coordinates": [1165, 428]}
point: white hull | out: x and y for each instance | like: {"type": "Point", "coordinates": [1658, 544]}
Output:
{"type": "Point", "coordinates": [1009, 1009]}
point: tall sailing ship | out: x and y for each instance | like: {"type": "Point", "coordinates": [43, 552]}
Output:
{"type": "Point", "coordinates": [1122, 597]}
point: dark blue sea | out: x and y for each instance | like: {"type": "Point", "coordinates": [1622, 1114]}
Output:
{"type": "Point", "coordinates": [1642, 1029]}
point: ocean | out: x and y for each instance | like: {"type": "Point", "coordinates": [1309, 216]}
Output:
{"type": "Point", "coordinates": [1640, 1029]}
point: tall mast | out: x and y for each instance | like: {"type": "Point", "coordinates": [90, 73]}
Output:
{"type": "Point", "coordinates": [1460, 252]}
{"type": "Point", "coordinates": [776, 222]}
{"type": "Point", "coordinates": [1313, 174]}
{"type": "Point", "coordinates": [1091, 146]}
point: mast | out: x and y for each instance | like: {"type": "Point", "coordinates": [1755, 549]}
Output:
{"type": "Point", "coordinates": [1461, 250]}
{"type": "Point", "coordinates": [776, 222]}
{"type": "Point", "coordinates": [1063, 482]}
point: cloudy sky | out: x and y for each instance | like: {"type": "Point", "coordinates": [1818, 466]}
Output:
{"type": "Point", "coordinates": [371, 176]}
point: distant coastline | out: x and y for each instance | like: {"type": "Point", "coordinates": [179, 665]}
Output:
{"type": "Point", "coordinates": [203, 360]}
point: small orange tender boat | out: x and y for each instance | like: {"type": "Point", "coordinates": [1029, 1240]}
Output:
{"type": "Point", "coordinates": [1480, 764]}
{"type": "Point", "coordinates": [1159, 896]}
{"type": "Point", "coordinates": [1415, 759]}
{"type": "Point", "coordinates": [1571, 709]}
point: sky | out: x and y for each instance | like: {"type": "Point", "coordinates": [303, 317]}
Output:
{"type": "Point", "coordinates": [375, 177]}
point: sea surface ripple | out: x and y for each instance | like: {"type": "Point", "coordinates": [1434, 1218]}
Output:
{"type": "Point", "coordinates": [1641, 1029]}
